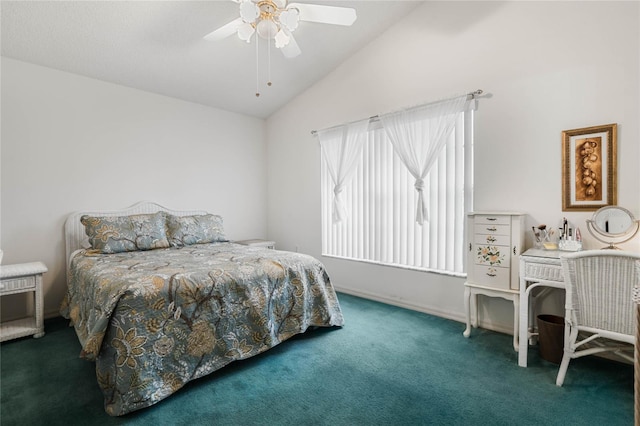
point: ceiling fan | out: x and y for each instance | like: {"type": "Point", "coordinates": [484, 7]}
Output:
{"type": "Point", "coordinates": [277, 19]}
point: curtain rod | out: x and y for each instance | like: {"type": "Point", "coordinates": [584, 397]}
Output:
{"type": "Point", "coordinates": [374, 118]}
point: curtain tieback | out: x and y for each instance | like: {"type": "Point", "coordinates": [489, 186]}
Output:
{"type": "Point", "coordinates": [422, 212]}
{"type": "Point", "coordinates": [339, 209]}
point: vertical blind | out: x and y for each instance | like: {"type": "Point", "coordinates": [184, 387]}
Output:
{"type": "Point", "coordinates": [380, 226]}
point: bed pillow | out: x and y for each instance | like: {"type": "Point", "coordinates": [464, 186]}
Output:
{"type": "Point", "coordinates": [196, 229]}
{"type": "Point", "coordinates": [116, 234]}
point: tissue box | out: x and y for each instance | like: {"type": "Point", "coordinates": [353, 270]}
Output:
{"type": "Point", "coordinates": [569, 245]}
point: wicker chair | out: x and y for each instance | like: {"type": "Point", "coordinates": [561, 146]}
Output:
{"type": "Point", "coordinates": [599, 304]}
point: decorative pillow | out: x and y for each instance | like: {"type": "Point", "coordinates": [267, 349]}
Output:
{"type": "Point", "coordinates": [197, 229]}
{"type": "Point", "coordinates": [115, 234]}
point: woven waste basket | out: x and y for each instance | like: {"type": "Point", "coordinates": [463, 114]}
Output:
{"type": "Point", "coordinates": [551, 337]}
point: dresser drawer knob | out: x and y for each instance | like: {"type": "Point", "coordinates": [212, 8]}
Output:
{"type": "Point", "coordinates": [492, 229]}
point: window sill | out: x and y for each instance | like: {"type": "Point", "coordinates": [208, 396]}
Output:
{"type": "Point", "coordinates": [393, 265]}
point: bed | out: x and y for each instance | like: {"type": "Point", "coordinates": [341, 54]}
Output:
{"type": "Point", "coordinates": [159, 297]}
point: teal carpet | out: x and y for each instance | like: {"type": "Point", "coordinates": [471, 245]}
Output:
{"type": "Point", "coordinates": [386, 366]}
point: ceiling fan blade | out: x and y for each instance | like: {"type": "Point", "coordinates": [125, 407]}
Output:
{"type": "Point", "coordinates": [291, 50]}
{"type": "Point", "coordinates": [224, 31]}
{"type": "Point", "coordinates": [325, 14]}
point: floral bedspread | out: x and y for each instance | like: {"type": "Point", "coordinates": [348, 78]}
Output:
{"type": "Point", "coordinates": [154, 320]}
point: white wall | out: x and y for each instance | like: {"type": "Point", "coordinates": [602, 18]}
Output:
{"type": "Point", "coordinates": [545, 67]}
{"type": "Point", "coordinates": [72, 143]}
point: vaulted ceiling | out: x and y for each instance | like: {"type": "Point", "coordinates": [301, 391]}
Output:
{"type": "Point", "coordinates": [158, 46]}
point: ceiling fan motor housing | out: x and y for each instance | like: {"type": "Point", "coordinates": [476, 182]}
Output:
{"type": "Point", "coordinates": [268, 18]}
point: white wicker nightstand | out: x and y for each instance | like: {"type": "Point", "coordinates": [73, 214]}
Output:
{"type": "Point", "coordinates": [258, 243]}
{"type": "Point", "coordinates": [22, 278]}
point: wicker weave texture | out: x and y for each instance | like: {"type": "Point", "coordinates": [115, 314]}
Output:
{"type": "Point", "coordinates": [599, 300]}
{"type": "Point", "coordinates": [544, 272]}
{"type": "Point", "coordinates": [636, 383]}
{"type": "Point", "coordinates": [600, 286]}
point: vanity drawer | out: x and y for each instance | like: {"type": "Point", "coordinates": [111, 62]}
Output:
{"type": "Point", "coordinates": [543, 271]}
{"type": "Point", "coordinates": [13, 284]}
{"type": "Point", "coordinates": [491, 276]}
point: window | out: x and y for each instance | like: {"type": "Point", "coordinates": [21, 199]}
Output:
{"type": "Point", "coordinates": [380, 200]}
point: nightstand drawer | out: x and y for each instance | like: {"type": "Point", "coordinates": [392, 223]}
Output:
{"type": "Point", "coordinates": [13, 284]}
{"type": "Point", "coordinates": [258, 243]}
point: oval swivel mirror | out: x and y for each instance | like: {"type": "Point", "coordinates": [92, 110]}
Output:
{"type": "Point", "coordinates": [613, 224]}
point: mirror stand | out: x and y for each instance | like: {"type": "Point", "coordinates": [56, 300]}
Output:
{"type": "Point", "coordinates": [613, 225]}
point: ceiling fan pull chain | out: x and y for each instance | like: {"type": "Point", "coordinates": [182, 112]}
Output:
{"type": "Point", "coordinates": [257, 68]}
{"type": "Point", "coordinates": [269, 63]}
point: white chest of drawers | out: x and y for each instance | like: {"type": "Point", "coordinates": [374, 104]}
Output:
{"type": "Point", "coordinates": [23, 278]}
{"type": "Point", "coordinates": [495, 240]}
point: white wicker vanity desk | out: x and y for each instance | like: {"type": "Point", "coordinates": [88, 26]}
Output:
{"type": "Point", "coordinates": [538, 268]}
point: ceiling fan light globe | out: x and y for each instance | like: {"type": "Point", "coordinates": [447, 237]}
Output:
{"type": "Point", "coordinates": [290, 18]}
{"type": "Point", "coordinates": [281, 39]}
{"type": "Point", "coordinates": [249, 11]}
{"type": "Point", "coordinates": [245, 31]}
{"type": "Point", "coordinates": [267, 29]}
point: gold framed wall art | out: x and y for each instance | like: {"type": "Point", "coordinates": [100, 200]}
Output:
{"type": "Point", "coordinates": [589, 168]}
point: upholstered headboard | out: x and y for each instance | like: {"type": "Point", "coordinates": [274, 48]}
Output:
{"type": "Point", "coordinates": [74, 233]}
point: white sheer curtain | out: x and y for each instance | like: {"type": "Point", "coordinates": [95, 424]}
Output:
{"type": "Point", "coordinates": [418, 136]}
{"type": "Point", "coordinates": [342, 151]}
